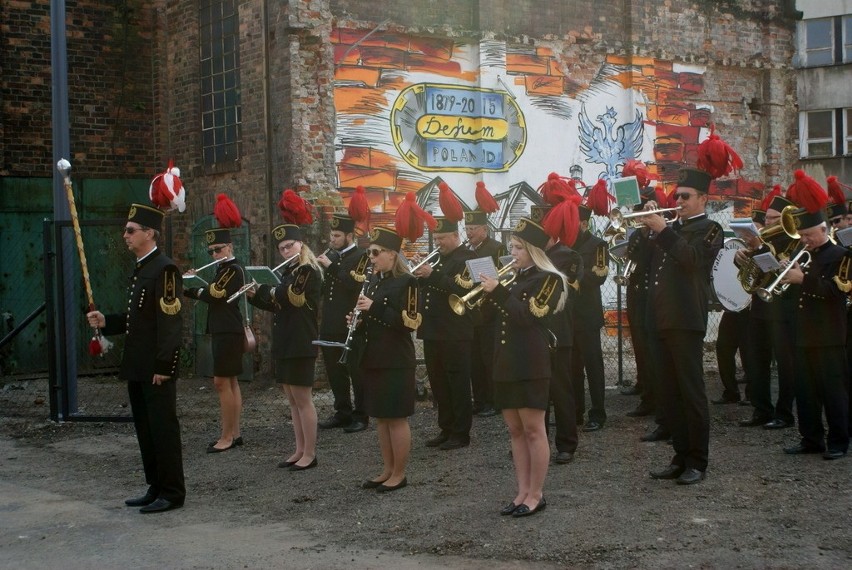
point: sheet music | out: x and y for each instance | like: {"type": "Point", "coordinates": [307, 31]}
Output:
{"type": "Point", "coordinates": [844, 237]}
{"type": "Point", "coordinates": [744, 228]}
{"type": "Point", "coordinates": [262, 274]}
{"type": "Point", "coordinates": [483, 265]}
{"type": "Point", "coordinates": [766, 262]}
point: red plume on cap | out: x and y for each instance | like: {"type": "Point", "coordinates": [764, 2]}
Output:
{"type": "Point", "coordinates": [485, 200]}
{"type": "Point", "coordinates": [660, 196]}
{"type": "Point", "coordinates": [226, 212]}
{"type": "Point", "coordinates": [359, 208]}
{"type": "Point", "coordinates": [598, 198]}
{"type": "Point", "coordinates": [563, 220]}
{"type": "Point", "coordinates": [835, 191]}
{"type": "Point", "coordinates": [294, 209]}
{"type": "Point", "coordinates": [638, 169]}
{"type": "Point", "coordinates": [806, 193]}
{"type": "Point", "coordinates": [716, 157]}
{"type": "Point", "coordinates": [410, 218]}
{"type": "Point", "coordinates": [166, 190]}
{"type": "Point", "coordinates": [557, 188]}
{"type": "Point", "coordinates": [449, 204]}
{"type": "Point", "coordinates": [776, 191]}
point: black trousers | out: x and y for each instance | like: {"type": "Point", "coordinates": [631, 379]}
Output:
{"type": "Point", "coordinates": [481, 366]}
{"type": "Point", "coordinates": [587, 356]}
{"type": "Point", "coordinates": [341, 377]}
{"type": "Point", "coordinates": [562, 396]}
{"type": "Point", "coordinates": [448, 366]}
{"type": "Point", "coordinates": [822, 382]}
{"type": "Point", "coordinates": [652, 391]}
{"type": "Point", "coordinates": [638, 338]}
{"type": "Point", "coordinates": [158, 432]}
{"type": "Point", "coordinates": [732, 337]}
{"type": "Point", "coordinates": [771, 339]}
{"type": "Point", "coordinates": [684, 398]}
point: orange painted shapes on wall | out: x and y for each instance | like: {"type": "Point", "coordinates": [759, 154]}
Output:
{"type": "Point", "coordinates": [351, 177]}
{"type": "Point", "coordinates": [526, 63]}
{"type": "Point", "coordinates": [543, 85]}
{"type": "Point", "coordinates": [420, 62]}
{"type": "Point", "coordinates": [381, 57]}
{"type": "Point", "coordinates": [699, 117]}
{"type": "Point", "coordinates": [691, 82]}
{"type": "Point", "coordinates": [432, 47]}
{"type": "Point", "coordinates": [673, 115]}
{"type": "Point", "coordinates": [553, 68]}
{"type": "Point", "coordinates": [340, 50]}
{"type": "Point", "coordinates": [357, 76]}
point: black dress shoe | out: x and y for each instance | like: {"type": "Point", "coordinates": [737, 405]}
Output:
{"type": "Point", "coordinates": [592, 426]}
{"type": "Point", "coordinates": [160, 506]}
{"type": "Point", "coordinates": [690, 477]}
{"type": "Point", "coordinates": [212, 449]}
{"type": "Point", "coordinates": [355, 427]}
{"type": "Point", "coordinates": [753, 422]}
{"type": "Point", "coordinates": [658, 434]}
{"type": "Point", "coordinates": [508, 509]}
{"type": "Point", "coordinates": [297, 467]}
{"type": "Point", "coordinates": [776, 424]}
{"type": "Point", "coordinates": [334, 422]}
{"type": "Point", "coordinates": [563, 457]}
{"type": "Point", "coordinates": [486, 412]}
{"type": "Point", "coordinates": [524, 511]}
{"type": "Point", "coordinates": [744, 402]}
{"type": "Point", "coordinates": [833, 454]}
{"type": "Point", "coordinates": [388, 488]}
{"type": "Point", "coordinates": [238, 440]}
{"type": "Point", "coordinates": [437, 440]}
{"type": "Point", "coordinates": [802, 450]}
{"type": "Point", "coordinates": [285, 464]}
{"type": "Point", "coordinates": [454, 443]}
{"type": "Point", "coordinates": [639, 412]}
{"type": "Point", "coordinates": [630, 391]}
{"type": "Point", "coordinates": [722, 401]}
{"type": "Point", "coordinates": [142, 501]}
{"type": "Point", "coordinates": [370, 484]}
{"type": "Point", "coordinates": [670, 472]}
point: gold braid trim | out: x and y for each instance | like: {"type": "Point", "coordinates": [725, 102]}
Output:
{"type": "Point", "coordinates": [169, 303]}
{"type": "Point", "coordinates": [410, 317]}
{"type": "Point", "coordinates": [539, 304]}
{"type": "Point", "coordinates": [296, 291]}
{"type": "Point", "coordinates": [359, 273]}
{"type": "Point", "coordinates": [842, 278]}
{"type": "Point", "coordinates": [464, 279]}
{"type": "Point", "coordinates": [218, 289]}
{"type": "Point", "coordinates": [600, 268]}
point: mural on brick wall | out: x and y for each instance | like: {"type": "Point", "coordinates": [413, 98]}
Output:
{"type": "Point", "coordinates": [414, 110]}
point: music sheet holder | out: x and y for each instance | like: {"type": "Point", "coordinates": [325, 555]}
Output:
{"type": "Point", "coordinates": [262, 274]}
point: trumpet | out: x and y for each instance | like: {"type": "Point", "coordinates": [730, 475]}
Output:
{"type": "Point", "coordinates": [617, 219]}
{"type": "Point", "coordinates": [775, 288]}
{"type": "Point", "coordinates": [430, 255]}
{"type": "Point", "coordinates": [211, 264]}
{"type": "Point", "coordinates": [460, 305]}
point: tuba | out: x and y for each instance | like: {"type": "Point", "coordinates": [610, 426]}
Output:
{"type": "Point", "coordinates": [460, 305]}
{"type": "Point", "coordinates": [782, 239]}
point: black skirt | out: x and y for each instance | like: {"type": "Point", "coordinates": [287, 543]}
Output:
{"type": "Point", "coordinates": [533, 393]}
{"type": "Point", "coordinates": [227, 351]}
{"type": "Point", "coordinates": [295, 371]}
{"type": "Point", "coordinates": [388, 392]}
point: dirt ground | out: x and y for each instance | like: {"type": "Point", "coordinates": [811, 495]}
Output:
{"type": "Point", "coordinates": [62, 487]}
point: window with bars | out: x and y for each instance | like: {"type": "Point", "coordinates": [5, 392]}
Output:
{"type": "Point", "coordinates": [220, 84]}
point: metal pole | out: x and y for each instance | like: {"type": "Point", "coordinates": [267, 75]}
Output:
{"type": "Point", "coordinates": [49, 297]}
{"type": "Point", "coordinates": [67, 334]}
{"type": "Point", "coordinates": [620, 339]}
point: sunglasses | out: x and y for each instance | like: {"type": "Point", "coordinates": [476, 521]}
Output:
{"type": "Point", "coordinates": [216, 249]}
{"type": "Point", "coordinates": [683, 195]}
{"type": "Point", "coordinates": [375, 251]}
{"type": "Point", "coordinates": [131, 231]}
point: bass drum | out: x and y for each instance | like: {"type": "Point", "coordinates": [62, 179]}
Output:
{"type": "Point", "coordinates": [727, 290]}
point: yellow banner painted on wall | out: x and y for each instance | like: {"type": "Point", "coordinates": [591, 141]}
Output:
{"type": "Point", "coordinates": [438, 127]}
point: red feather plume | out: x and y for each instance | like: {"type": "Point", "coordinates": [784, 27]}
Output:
{"type": "Point", "coordinates": [226, 212]}
{"type": "Point", "coordinates": [449, 204]}
{"type": "Point", "coordinates": [806, 193]}
{"type": "Point", "coordinates": [716, 157]}
{"type": "Point", "coordinates": [410, 218]}
{"type": "Point", "coordinates": [660, 197]}
{"type": "Point", "coordinates": [563, 220]}
{"type": "Point", "coordinates": [557, 188]}
{"type": "Point", "coordinates": [835, 191]}
{"type": "Point", "coordinates": [294, 209]}
{"type": "Point", "coordinates": [359, 209]}
{"type": "Point", "coordinates": [776, 191]}
{"type": "Point", "coordinates": [598, 198]}
{"type": "Point", "coordinates": [485, 200]}
{"type": "Point", "coordinates": [638, 169]}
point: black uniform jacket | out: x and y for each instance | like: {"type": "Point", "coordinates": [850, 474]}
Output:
{"type": "Point", "coordinates": [341, 285]}
{"type": "Point", "coordinates": [294, 303]}
{"type": "Point", "coordinates": [679, 274]}
{"type": "Point", "coordinates": [153, 322]}
{"type": "Point", "coordinates": [492, 248]}
{"type": "Point", "coordinates": [449, 276]}
{"type": "Point", "coordinates": [222, 317]}
{"type": "Point", "coordinates": [570, 263]}
{"type": "Point", "coordinates": [588, 314]}
{"type": "Point", "coordinates": [639, 252]}
{"type": "Point", "coordinates": [821, 309]}
{"type": "Point", "coordinates": [384, 334]}
{"type": "Point", "coordinates": [782, 308]}
{"type": "Point", "coordinates": [522, 343]}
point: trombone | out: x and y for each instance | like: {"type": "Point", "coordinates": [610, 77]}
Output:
{"type": "Point", "coordinates": [460, 305]}
{"type": "Point", "coordinates": [617, 219]}
{"type": "Point", "coordinates": [775, 288]}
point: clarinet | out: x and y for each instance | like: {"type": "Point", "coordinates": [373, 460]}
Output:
{"type": "Point", "coordinates": [355, 320]}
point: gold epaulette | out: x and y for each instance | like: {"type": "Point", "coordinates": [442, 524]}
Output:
{"type": "Point", "coordinates": [170, 303]}
{"type": "Point", "coordinates": [410, 317]}
{"type": "Point", "coordinates": [359, 273]}
{"type": "Point", "coordinates": [842, 278]}
{"type": "Point", "coordinates": [600, 268]}
{"type": "Point", "coordinates": [218, 288]}
{"type": "Point", "coordinates": [539, 304]}
{"type": "Point", "coordinates": [464, 279]}
{"type": "Point", "coordinates": [296, 290]}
